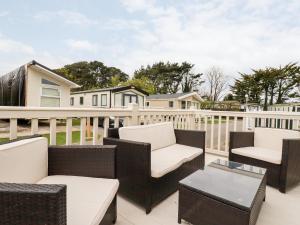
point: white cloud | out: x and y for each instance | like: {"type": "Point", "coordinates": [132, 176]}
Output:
{"type": "Point", "coordinates": [11, 46]}
{"type": "Point", "coordinates": [233, 34]}
{"type": "Point", "coordinates": [82, 45]}
{"type": "Point", "coordinates": [69, 17]}
{"type": "Point", "coordinates": [4, 13]}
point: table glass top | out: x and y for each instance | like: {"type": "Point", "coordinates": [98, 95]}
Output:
{"type": "Point", "coordinates": [228, 181]}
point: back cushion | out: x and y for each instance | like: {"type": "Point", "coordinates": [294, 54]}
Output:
{"type": "Point", "coordinates": [24, 161]}
{"type": "Point", "coordinates": [272, 138]}
{"type": "Point", "coordinates": [159, 135]}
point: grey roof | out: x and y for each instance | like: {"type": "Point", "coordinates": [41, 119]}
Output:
{"type": "Point", "coordinates": [113, 89]}
{"type": "Point", "coordinates": [167, 96]}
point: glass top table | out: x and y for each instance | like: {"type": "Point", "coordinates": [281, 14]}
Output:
{"type": "Point", "coordinates": [227, 181]}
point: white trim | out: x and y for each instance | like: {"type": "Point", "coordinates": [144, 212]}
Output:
{"type": "Point", "coordinates": [60, 78]}
{"type": "Point", "coordinates": [189, 95]}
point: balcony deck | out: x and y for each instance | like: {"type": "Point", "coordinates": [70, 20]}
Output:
{"type": "Point", "coordinates": [279, 209]}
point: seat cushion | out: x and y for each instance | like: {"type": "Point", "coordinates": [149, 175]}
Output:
{"type": "Point", "coordinates": [264, 154]}
{"type": "Point", "coordinates": [24, 161]}
{"type": "Point", "coordinates": [87, 198]}
{"type": "Point", "coordinates": [159, 135]}
{"type": "Point", "coordinates": [167, 159]}
{"type": "Point", "coordinates": [272, 138]}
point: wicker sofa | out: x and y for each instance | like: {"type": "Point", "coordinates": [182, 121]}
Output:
{"type": "Point", "coordinates": [151, 159]}
{"type": "Point", "coordinates": [41, 185]}
{"type": "Point", "coordinates": [278, 150]}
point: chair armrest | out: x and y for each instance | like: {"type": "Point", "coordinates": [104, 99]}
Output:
{"type": "Point", "coordinates": [36, 204]}
{"type": "Point", "coordinates": [88, 161]}
{"type": "Point", "coordinates": [193, 138]}
{"type": "Point", "coordinates": [290, 169]}
{"type": "Point", "coordinates": [240, 139]}
{"type": "Point", "coordinates": [133, 158]}
{"type": "Point", "coordinates": [113, 132]}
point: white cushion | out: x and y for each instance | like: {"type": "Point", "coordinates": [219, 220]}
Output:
{"type": "Point", "coordinates": [87, 198]}
{"type": "Point", "coordinates": [24, 161]}
{"type": "Point", "coordinates": [159, 135]}
{"type": "Point", "coordinates": [272, 138]}
{"type": "Point", "coordinates": [167, 159]}
{"type": "Point", "coordinates": [264, 154]}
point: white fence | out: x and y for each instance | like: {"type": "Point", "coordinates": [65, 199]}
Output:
{"type": "Point", "coordinates": [217, 124]}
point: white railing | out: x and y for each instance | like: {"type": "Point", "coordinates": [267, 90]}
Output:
{"type": "Point", "coordinates": [217, 124]}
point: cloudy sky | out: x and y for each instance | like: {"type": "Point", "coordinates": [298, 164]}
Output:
{"type": "Point", "coordinates": [235, 35]}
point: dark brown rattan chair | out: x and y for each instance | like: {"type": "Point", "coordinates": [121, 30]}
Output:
{"type": "Point", "coordinates": [282, 176]}
{"type": "Point", "coordinates": [134, 168]}
{"type": "Point", "coordinates": [45, 204]}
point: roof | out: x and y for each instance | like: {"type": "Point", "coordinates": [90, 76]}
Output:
{"type": "Point", "coordinates": [173, 96]}
{"type": "Point", "coordinates": [49, 72]}
{"type": "Point", "coordinates": [113, 89]}
{"type": "Point", "coordinates": [52, 73]}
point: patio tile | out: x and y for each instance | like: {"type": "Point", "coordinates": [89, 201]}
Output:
{"type": "Point", "coordinates": [279, 209]}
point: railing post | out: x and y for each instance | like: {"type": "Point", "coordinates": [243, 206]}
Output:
{"type": "Point", "coordinates": [116, 122]}
{"type": "Point", "coordinates": [13, 129]}
{"type": "Point", "coordinates": [95, 130]}
{"type": "Point", "coordinates": [53, 131]}
{"type": "Point", "coordinates": [105, 126]}
{"type": "Point", "coordinates": [68, 131]}
{"type": "Point", "coordinates": [227, 134]}
{"type": "Point", "coordinates": [82, 130]}
{"type": "Point", "coordinates": [134, 113]}
{"type": "Point", "coordinates": [34, 126]}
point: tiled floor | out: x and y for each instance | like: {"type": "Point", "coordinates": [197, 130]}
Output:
{"type": "Point", "coordinates": [279, 209]}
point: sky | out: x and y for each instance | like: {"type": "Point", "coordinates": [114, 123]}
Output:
{"type": "Point", "coordinates": [235, 35]}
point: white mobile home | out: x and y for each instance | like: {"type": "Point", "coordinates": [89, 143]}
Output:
{"type": "Point", "coordinates": [116, 97]}
{"type": "Point", "coordinates": [174, 101]}
{"type": "Point", "coordinates": [35, 85]}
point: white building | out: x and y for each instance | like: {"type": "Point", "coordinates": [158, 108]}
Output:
{"type": "Point", "coordinates": [174, 101]}
{"type": "Point", "coordinates": [35, 85]}
{"type": "Point", "coordinates": [287, 107]}
{"type": "Point", "coordinates": [115, 97]}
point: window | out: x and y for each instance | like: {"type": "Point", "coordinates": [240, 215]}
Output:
{"type": "Point", "coordinates": [48, 82]}
{"type": "Point", "coordinates": [171, 104]}
{"type": "Point", "coordinates": [147, 104]}
{"type": "Point", "coordinates": [50, 97]}
{"type": "Point", "coordinates": [81, 100]}
{"type": "Point", "coordinates": [95, 100]}
{"type": "Point", "coordinates": [104, 100]}
{"type": "Point", "coordinates": [182, 104]}
{"type": "Point", "coordinates": [72, 101]}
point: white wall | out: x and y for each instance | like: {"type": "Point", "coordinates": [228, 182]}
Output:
{"type": "Point", "coordinates": [116, 98]}
{"type": "Point", "coordinates": [34, 89]}
{"type": "Point", "coordinates": [88, 99]}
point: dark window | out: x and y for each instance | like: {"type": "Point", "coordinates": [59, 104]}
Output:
{"type": "Point", "coordinates": [183, 105]}
{"type": "Point", "coordinates": [95, 100]}
{"type": "Point", "coordinates": [44, 81]}
{"type": "Point", "coordinates": [104, 100]}
{"type": "Point", "coordinates": [81, 100]}
{"type": "Point", "coordinates": [147, 103]}
{"type": "Point", "coordinates": [171, 104]}
{"type": "Point", "coordinates": [72, 101]}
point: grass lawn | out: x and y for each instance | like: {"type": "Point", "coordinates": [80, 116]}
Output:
{"type": "Point", "coordinates": [60, 138]}
{"type": "Point", "coordinates": [216, 121]}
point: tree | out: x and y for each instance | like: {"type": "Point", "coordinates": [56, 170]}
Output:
{"type": "Point", "coordinates": [287, 80]}
{"type": "Point", "coordinates": [216, 82]}
{"type": "Point", "coordinates": [92, 74]}
{"type": "Point", "coordinates": [190, 80]}
{"type": "Point", "coordinates": [229, 97]}
{"type": "Point", "coordinates": [169, 77]}
{"type": "Point", "coordinates": [143, 83]}
{"type": "Point", "coordinates": [270, 83]}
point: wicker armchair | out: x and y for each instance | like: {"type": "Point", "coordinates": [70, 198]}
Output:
{"type": "Point", "coordinates": [27, 197]}
{"type": "Point", "coordinates": [277, 150]}
{"type": "Point", "coordinates": [139, 182]}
